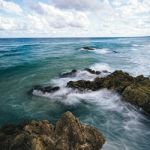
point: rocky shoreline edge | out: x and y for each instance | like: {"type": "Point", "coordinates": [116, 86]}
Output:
{"type": "Point", "coordinates": [135, 90]}
{"type": "Point", "coordinates": [67, 134]}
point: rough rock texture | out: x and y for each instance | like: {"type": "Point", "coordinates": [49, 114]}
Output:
{"type": "Point", "coordinates": [68, 134]}
{"type": "Point", "coordinates": [135, 90]}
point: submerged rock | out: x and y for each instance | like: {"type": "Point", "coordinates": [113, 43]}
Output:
{"type": "Point", "coordinates": [68, 134]}
{"type": "Point", "coordinates": [45, 89]}
{"type": "Point", "coordinates": [106, 71]}
{"type": "Point", "coordinates": [92, 71]}
{"type": "Point", "coordinates": [115, 51]}
{"type": "Point", "coordinates": [135, 90]}
{"type": "Point", "coordinates": [69, 74]}
{"type": "Point", "coordinates": [88, 48]}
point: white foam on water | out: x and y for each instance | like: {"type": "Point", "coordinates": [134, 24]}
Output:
{"type": "Point", "coordinates": [101, 102]}
{"type": "Point", "coordinates": [68, 96]}
{"type": "Point", "coordinates": [140, 58]}
{"type": "Point", "coordinates": [102, 51]}
{"type": "Point", "coordinates": [101, 67]}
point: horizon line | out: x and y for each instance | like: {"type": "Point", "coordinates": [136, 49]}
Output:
{"type": "Point", "coordinates": [75, 37]}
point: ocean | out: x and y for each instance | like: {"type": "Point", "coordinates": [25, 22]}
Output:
{"type": "Point", "coordinates": [25, 62]}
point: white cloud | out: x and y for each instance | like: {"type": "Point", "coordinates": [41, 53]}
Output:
{"type": "Point", "coordinates": [83, 5]}
{"type": "Point", "coordinates": [7, 24]}
{"type": "Point", "coordinates": [62, 18]}
{"type": "Point", "coordinates": [10, 24]}
{"type": "Point", "coordinates": [51, 20]}
{"type": "Point", "coordinates": [10, 7]}
{"type": "Point", "coordinates": [77, 18]}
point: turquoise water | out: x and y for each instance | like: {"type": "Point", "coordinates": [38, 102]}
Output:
{"type": "Point", "coordinates": [28, 62]}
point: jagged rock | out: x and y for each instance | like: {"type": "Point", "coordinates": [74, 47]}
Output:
{"type": "Point", "coordinates": [69, 74]}
{"type": "Point", "coordinates": [138, 93]}
{"type": "Point", "coordinates": [118, 80]}
{"type": "Point", "coordinates": [88, 48]}
{"type": "Point", "coordinates": [135, 90]}
{"type": "Point", "coordinates": [92, 71]}
{"type": "Point", "coordinates": [45, 89]}
{"type": "Point", "coordinates": [68, 134]}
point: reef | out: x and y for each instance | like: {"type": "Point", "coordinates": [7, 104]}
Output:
{"type": "Point", "coordinates": [67, 134]}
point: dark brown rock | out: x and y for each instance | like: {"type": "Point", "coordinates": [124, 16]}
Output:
{"type": "Point", "coordinates": [68, 134]}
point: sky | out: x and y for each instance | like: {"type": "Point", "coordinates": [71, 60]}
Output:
{"type": "Point", "coordinates": [74, 18]}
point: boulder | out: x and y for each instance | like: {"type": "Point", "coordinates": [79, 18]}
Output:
{"type": "Point", "coordinates": [135, 90]}
{"type": "Point", "coordinates": [68, 134]}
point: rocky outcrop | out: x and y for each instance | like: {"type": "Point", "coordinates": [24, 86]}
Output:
{"type": "Point", "coordinates": [135, 90]}
{"type": "Point", "coordinates": [68, 134]}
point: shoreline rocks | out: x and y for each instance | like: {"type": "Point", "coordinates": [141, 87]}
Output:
{"type": "Point", "coordinates": [135, 90]}
{"type": "Point", "coordinates": [68, 134]}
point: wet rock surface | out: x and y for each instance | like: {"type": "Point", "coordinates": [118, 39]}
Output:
{"type": "Point", "coordinates": [69, 74]}
{"type": "Point", "coordinates": [135, 90]}
{"type": "Point", "coordinates": [92, 71]}
{"type": "Point", "coordinates": [68, 134]}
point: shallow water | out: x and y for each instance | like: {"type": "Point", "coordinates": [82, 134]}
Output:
{"type": "Point", "coordinates": [28, 62]}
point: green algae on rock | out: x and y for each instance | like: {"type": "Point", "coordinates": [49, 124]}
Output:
{"type": "Point", "coordinates": [68, 134]}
